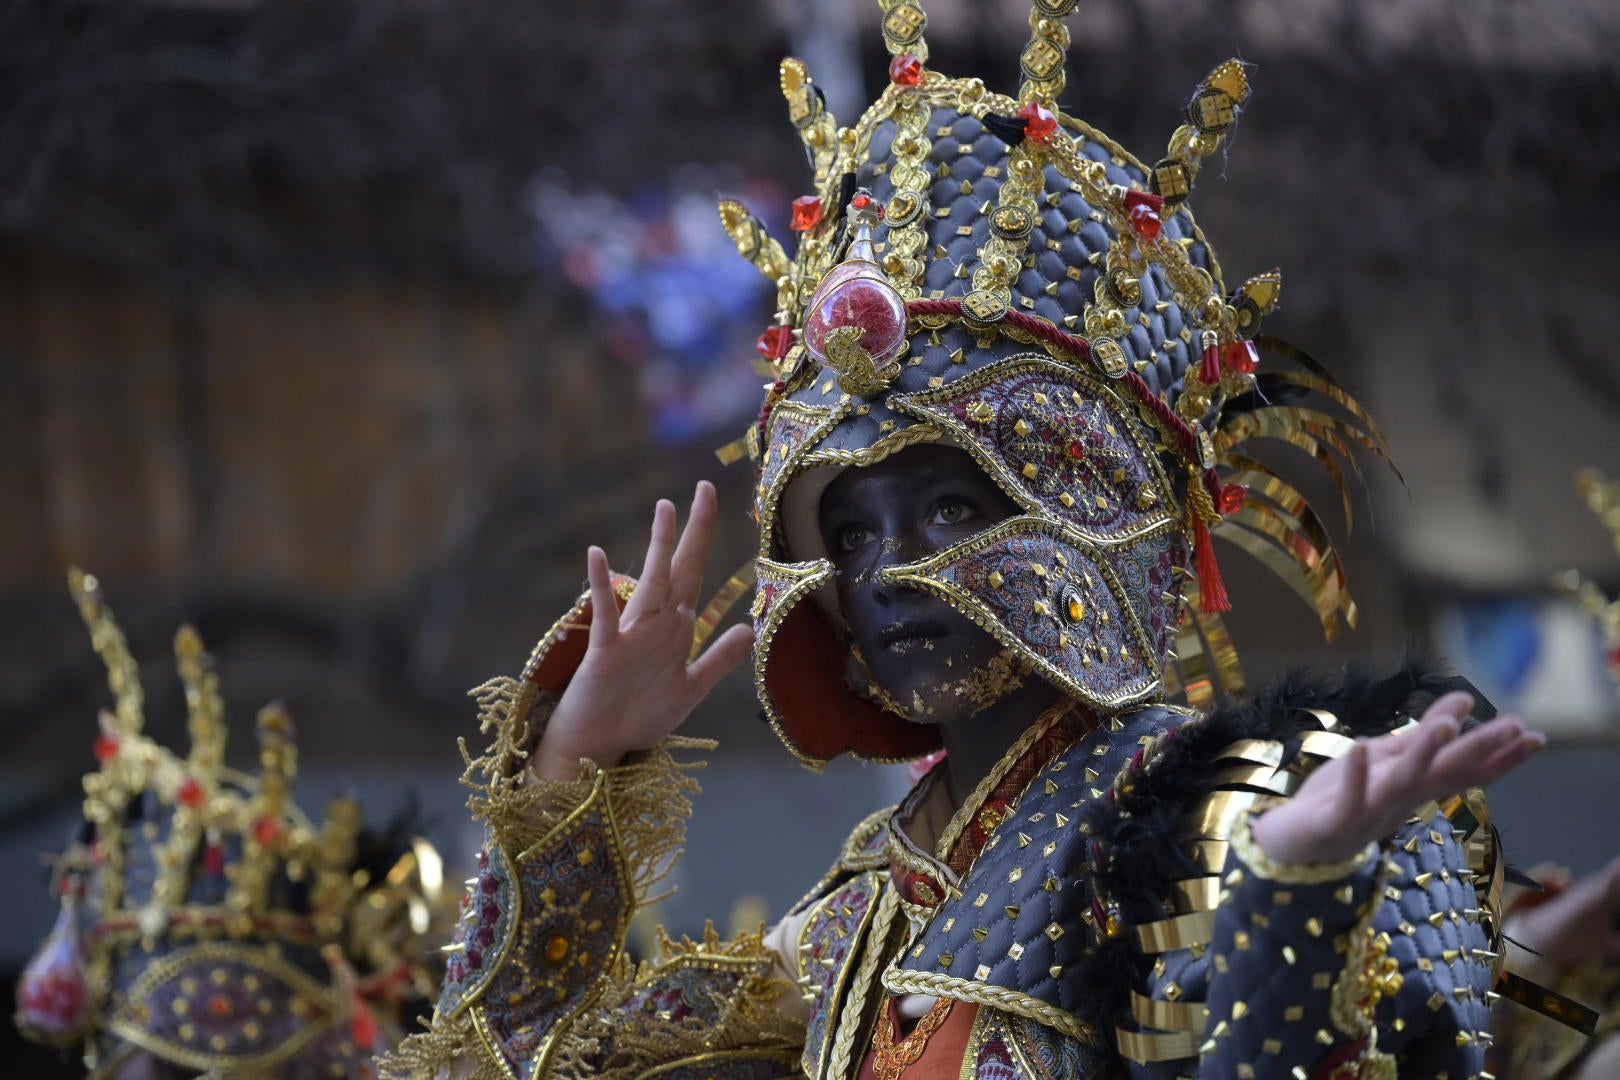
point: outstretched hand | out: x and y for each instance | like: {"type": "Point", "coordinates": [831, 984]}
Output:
{"type": "Point", "coordinates": [1369, 793]}
{"type": "Point", "coordinates": [1577, 925]}
{"type": "Point", "coordinates": [635, 685]}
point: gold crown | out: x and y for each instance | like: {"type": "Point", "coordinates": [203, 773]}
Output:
{"type": "Point", "coordinates": [1603, 499]}
{"type": "Point", "coordinates": [189, 864]}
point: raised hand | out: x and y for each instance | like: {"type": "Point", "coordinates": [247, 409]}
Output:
{"type": "Point", "coordinates": [635, 685]}
{"type": "Point", "coordinates": [1369, 792]}
{"type": "Point", "coordinates": [1578, 925]}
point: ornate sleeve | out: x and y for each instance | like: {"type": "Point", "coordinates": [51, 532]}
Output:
{"type": "Point", "coordinates": [539, 982]}
{"type": "Point", "coordinates": [1336, 971]}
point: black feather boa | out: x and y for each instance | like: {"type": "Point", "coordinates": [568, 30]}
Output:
{"type": "Point", "coordinates": [1137, 837]}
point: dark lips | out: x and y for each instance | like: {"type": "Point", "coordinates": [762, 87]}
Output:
{"type": "Point", "coordinates": [910, 631]}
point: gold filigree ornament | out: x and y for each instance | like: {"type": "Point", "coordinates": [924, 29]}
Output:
{"type": "Point", "coordinates": [209, 889]}
{"type": "Point", "coordinates": [1603, 499]}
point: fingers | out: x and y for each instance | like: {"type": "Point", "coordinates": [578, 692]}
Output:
{"type": "Point", "coordinates": [653, 589]}
{"type": "Point", "coordinates": [686, 570]}
{"type": "Point", "coordinates": [604, 605]}
{"type": "Point", "coordinates": [720, 658]}
{"type": "Point", "coordinates": [1352, 795]}
{"type": "Point", "coordinates": [1406, 780]}
{"type": "Point", "coordinates": [1452, 708]}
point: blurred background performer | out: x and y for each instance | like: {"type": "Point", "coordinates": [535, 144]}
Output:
{"type": "Point", "coordinates": [1011, 399]}
{"type": "Point", "coordinates": [207, 926]}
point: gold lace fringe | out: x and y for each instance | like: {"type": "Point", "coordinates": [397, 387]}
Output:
{"type": "Point", "coordinates": [635, 1044]}
{"type": "Point", "coordinates": [650, 798]}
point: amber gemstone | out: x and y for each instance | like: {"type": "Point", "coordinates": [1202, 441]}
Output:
{"type": "Point", "coordinates": [1077, 610]}
{"type": "Point", "coordinates": [806, 213]}
{"type": "Point", "coordinates": [1232, 497]}
{"type": "Point", "coordinates": [191, 793]}
{"type": "Point", "coordinates": [557, 949]}
{"type": "Point", "coordinates": [105, 747]}
{"type": "Point", "coordinates": [905, 70]}
{"type": "Point", "coordinates": [1039, 123]}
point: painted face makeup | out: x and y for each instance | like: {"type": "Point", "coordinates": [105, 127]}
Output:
{"type": "Point", "coordinates": [920, 657]}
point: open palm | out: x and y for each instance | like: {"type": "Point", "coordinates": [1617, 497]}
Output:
{"type": "Point", "coordinates": [1368, 793]}
{"type": "Point", "coordinates": [637, 682]}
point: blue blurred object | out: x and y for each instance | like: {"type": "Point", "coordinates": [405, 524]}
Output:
{"type": "Point", "coordinates": [1502, 637]}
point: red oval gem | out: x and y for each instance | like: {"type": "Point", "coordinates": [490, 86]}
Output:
{"type": "Point", "coordinates": [105, 747]}
{"type": "Point", "coordinates": [905, 70]}
{"type": "Point", "coordinates": [1039, 123]}
{"type": "Point", "coordinates": [219, 1006]}
{"type": "Point", "coordinates": [266, 829]}
{"type": "Point", "coordinates": [806, 213]}
{"type": "Point", "coordinates": [191, 794]}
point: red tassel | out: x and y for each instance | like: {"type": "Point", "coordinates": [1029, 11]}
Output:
{"type": "Point", "coordinates": [1210, 372]}
{"type": "Point", "coordinates": [1211, 588]}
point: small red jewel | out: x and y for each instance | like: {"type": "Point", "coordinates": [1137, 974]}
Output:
{"type": "Point", "coordinates": [1240, 356]}
{"type": "Point", "coordinates": [905, 70]}
{"type": "Point", "coordinates": [775, 342]}
{"type": "Point", "coordinates": [1076, 450]}
{"type": "Point", "coordinates": [214, 859]}
{"type": "Point", "coordinates": [191, 794]}
{"type": "Point", "coordinates": [1614, 657]}
{"type": "Point", "coordinates": [105, 747]}
{"type": "Point", "coordinates": [220, 1006]}
{"type": "Point", "coordinates": [806, 213]}
{"type": "Point", "coordinates": [1039, 123]}
{"type": "Point", "coordinates": [1232, 498]}
{"type": "Point", "coordinates": [1145, 222]}
{"type": "Point", "coordinates": [862, 200]}
{"type": "Point", "coordinates": [265, 830]}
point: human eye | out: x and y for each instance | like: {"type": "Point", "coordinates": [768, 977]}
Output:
{"type": "Point", "coordinates": [952, 510]}
{"type": "Point", "coordinates": [852, 537]}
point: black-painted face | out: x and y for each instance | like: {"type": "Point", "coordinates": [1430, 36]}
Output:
{"type": "Point", "coordinates": [926, 661]}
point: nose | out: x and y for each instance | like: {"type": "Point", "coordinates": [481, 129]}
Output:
{"type": "Point", "coordinates": [894, 551]}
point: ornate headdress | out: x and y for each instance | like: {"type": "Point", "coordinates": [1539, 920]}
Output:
{"type": "Point", "coordinates": [1603, 499]}
{"type": "Point", "coordinates": [994, 274]}
{"type": "Point", "coordinates": [205, 920]}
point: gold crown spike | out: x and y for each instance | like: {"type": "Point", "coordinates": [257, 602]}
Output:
{"type": "Point", "coordinates": [1042, 61]}
{"type": "Point", "coordinates": [1603, 499]}
{"type": "Point", "coordinates": [904, 22]}
{"type": "Point", "coordinates": [753, 242]}
{"type": "Point", "coordinates": [123, 676]}
{"type": "Point", "coordinates": [205, 709]}
{"type": "Point", "coordinates": [1211, 112]}
{"type": "Point", "coordinates": [817, 127]}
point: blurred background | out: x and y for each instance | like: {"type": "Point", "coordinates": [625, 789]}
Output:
{"type": "Point", "coordinates": [340, 327]}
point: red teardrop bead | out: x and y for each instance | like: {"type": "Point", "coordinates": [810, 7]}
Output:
{"type": "Point", "coordinates": [1232, 498]}
{"type": "Point", "coordinates": [105, 747]}
{"type": "Point", "coordinates": [806, 213]}
{"type": "Point", "coordinates": [1039, 123]}
{"type": "Point", "coordinates": [214, 859]}
{"type": "Point", "coordinates": [905, 70]}
{"type": "Point", "coordinates": [1145, 222]}
{"type": "Point", "coordinates": [774, 343]}
{"type": "Point", "coordinates": [265, 830]}
{"type": "Point", "coordinates": [191, 794]}
{"type": "Point", "coordinates": [1240, 356]}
